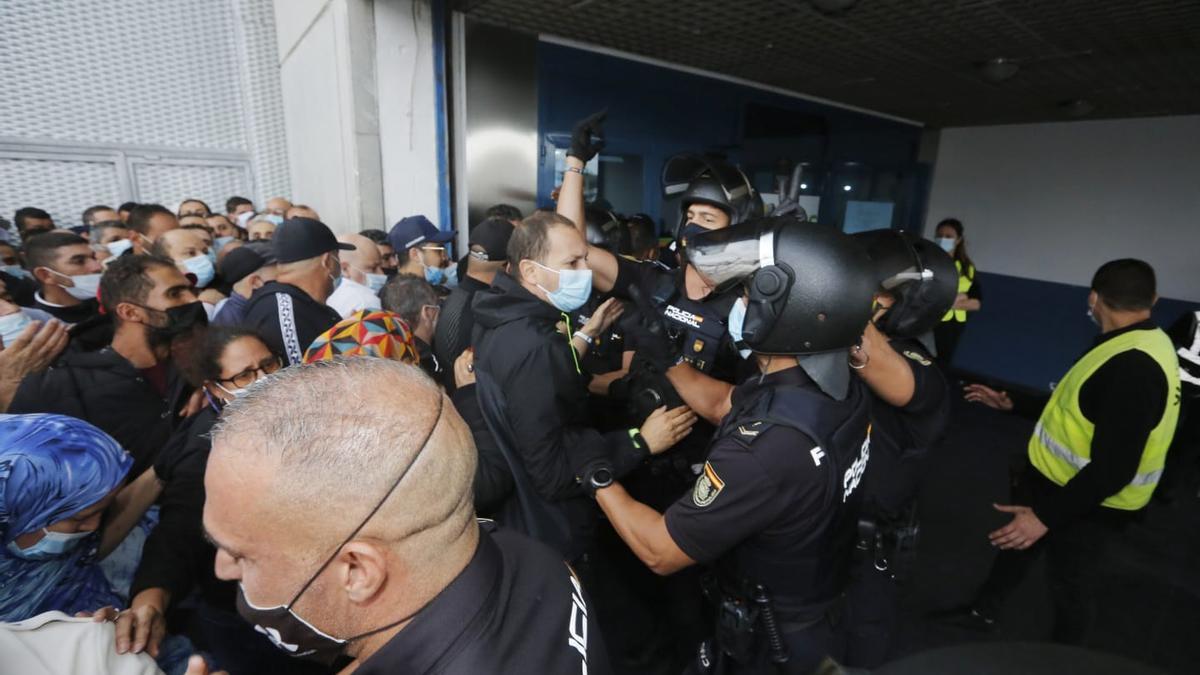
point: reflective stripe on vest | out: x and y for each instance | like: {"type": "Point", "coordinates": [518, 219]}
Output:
{"type": "Point", "coordinates": [964, 284]}
{"type": "Point", "coordinates": [1061, 443]}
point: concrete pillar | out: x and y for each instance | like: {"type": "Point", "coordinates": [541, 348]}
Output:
{"type": "Point", "coordinates": [359, 108]}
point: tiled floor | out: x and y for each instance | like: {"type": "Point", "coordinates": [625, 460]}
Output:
{"type": "Point", "coordinates": [1150, 607]}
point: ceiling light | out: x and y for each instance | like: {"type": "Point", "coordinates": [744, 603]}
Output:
{"type": "Point", "coordinates": [804, 186]}
{"type": "Point", "coordinates": [846, 188]}
{"type": "Point", "coordinates": [998, 69]}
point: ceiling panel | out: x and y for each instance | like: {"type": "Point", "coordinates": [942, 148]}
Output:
{"type": "Point", "coordinates": [913, 58]}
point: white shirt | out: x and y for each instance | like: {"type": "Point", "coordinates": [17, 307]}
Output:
{"type": "Point", "coordinates": [56, 644]}
{"type": "Point", "coordinates": [351, 297]}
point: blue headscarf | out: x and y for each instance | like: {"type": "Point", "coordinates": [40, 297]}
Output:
{"type": "Point", "coordinates": [51, 468]}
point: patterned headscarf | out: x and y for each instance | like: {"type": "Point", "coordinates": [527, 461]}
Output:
{"type": "Point", "coordinates": [51, 468]}
{"type": "Point", "coordinates": [366, 333]}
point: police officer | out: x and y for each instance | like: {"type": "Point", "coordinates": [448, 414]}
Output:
{"type": "Point", "coordinates": [661, 621]}
{"type": "Point", "coordinates": [773, 511]}
{"type": "Point", "coordinates": [714, 195]}
{"type": "Point", "coordinates": [909, 413]}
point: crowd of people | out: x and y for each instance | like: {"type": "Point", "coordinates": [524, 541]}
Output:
{"type": "Point", "coordinates": [240, 441]}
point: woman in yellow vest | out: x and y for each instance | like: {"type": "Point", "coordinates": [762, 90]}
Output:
{"type": "Point", "coordinates": [949, 235]}
{"type": "Point", "coordinates": [1095, 456]}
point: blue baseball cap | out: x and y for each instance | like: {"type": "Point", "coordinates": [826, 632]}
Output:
{"type": "Point", "coordinates": [414, 231]}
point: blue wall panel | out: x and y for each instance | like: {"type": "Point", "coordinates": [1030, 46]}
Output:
{"type": "Point", "coordinates": [658, 112]}
{"type": "Point", "coordinates": [1030, 332]}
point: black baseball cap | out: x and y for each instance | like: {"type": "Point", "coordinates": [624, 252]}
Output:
{"type": "Point", "coordinates": [304, 238]}
{"type": "Point", "coordinates": [241, 262]}
{"type": "Point", "coordinates": [492, 236]}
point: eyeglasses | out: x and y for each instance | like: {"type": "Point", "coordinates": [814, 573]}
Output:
{"type": "Point", "coordinates": [250, 375]}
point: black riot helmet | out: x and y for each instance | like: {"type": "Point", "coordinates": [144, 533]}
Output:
{"type": "Point", "coordinates": [705, 180]}
{"type": "Point", "coordinates": [606, 229]}
{"type": "Point", "coordinates": [918, 274]}
{"type": "Point", "coordinates": [809, 288]}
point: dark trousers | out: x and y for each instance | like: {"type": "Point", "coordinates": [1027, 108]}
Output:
{"type": "Point", "coordinates": [871, 614]}
{"type": "Point", "coordinates": [1075, 558]}
{"type": "Point", "coordinates": [808, 649]}
{"type": "Point", "coordinates": [945, 337]}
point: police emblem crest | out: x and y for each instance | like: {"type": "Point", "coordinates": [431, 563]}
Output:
{"type": "Point", "coordinates": [708, 486]}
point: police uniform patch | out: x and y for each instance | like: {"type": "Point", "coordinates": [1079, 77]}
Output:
{"type": "Point", "coordinates": [698, 346]}
{"type": "Point", "coordinates": [915, 356]}
{"type": "Point", "coordinates": [708, 486]}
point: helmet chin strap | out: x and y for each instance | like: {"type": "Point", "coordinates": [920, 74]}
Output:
{"type": "Point", "coordinates": [829, 370]}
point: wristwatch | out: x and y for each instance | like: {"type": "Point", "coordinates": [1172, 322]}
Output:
{"type": "Point", "coordinates": [599, 478]}
{"type": "Point", "coordinates": [587, 339]}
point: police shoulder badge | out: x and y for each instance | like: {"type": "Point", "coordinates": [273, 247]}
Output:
{"type": "Point", "coordinates": [916, 356]}
{"type": "Point", "coordinates": [708, 486]}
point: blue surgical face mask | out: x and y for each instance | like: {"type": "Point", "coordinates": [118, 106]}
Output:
{"type": "Point", "coordinates": [277, 219]}
{"type": "Point", "coordinates": [211, 254]}
{"type": "Point", "coordinates": [947, 243]}
{"type": "Point", "coordinates": [16, 271]}
{"type": "Point", "coordinates": [574, 287]}
{"type": "Point", "coordinates": [202, 267]}
{"type": "Point", "coordinates": [452, 276]}
{"type": "Point", "coordinates": [118, 247]}
{"type": "Point", "coordinates": [375, 282]}
{"type": "Point", "coordinates": [434, 275]}
{"type": "Point", "coordinates": [219, 243]}
{"type": "Point", "coordinates": [737, 319]}
{"type": "Point", "coordinates": [52, 545]}
{"type": "Point", "coordinates": [11, 326]}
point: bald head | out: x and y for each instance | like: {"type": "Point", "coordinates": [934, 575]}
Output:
{"type": "Point", "coordinates": [364, 443]}
{"type": "Point", "coordinates": [301, 211]}
{"type": "Point", "coordinates": [363, 260]}
{"type": "Point", "coordinates": [278, 206]}
{"type": "Point", "coordinates": [291, 476]}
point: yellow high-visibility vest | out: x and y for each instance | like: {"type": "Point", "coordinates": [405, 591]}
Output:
{"type": "Point", "coordinates": [965, 282]}
{"type": "Point", "coordinates": [1061, 443]}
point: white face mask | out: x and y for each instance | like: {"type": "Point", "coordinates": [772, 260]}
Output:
{"type": "Point", "coordinates": [375, 282]}
{"type": "Point", "coordinates": [12, 325]}
{"type": "Point", "coordinates": [85, 287]}
{"type": "Point", "coordinates": [116, 248]}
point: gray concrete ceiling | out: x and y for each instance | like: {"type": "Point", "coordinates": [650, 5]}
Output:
{"type": "Point", "coordinates": [920, 59]}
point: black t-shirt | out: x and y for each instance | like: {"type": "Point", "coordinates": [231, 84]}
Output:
{"type": "Point", "coordinates": [901, 437]}
{"type": "Point", "coordinates": [768, 495]}
{"type": "Point", "coordinates": [516, 609]}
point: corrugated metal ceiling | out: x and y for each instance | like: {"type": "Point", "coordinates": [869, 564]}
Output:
{"type": "Point", "coordinates": [919, 59]}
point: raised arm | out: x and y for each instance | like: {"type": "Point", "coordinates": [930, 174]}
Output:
{"type": "Point", "coordinates": [586, 140]}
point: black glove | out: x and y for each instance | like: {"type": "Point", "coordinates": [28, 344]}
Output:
{"type": "Point", "coordinates": [588, 137]}
{"type": "Point", "coordinates": [595, 474]}
{"type": "Point", "coordinates": [654, 340]}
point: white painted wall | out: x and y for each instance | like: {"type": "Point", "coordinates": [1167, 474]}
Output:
{"type": "Point", "coordinates": [1054, 201]}
{"type": "Point", "coordinates": [407, 110]}
{"type": "Point", "coordinates": [359, 103]}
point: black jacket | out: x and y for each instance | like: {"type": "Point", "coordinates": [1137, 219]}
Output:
{"type": "Point", "coordinates": [516, 609]}
{"type": "Point", "coordinates": [105, 389]}
{"type": "Point", "coordinates": [518, 344]}
{"type": "Point", "coordinates": [455, 325]}
{"type": "Point", "coordinates": [493, 478]}
{"type": "Point", "coordinates": [288, 319]}
{"type": "Point", "coordinates": [90, 330]}
{"type": "Point", "coordinates": [176, 555]}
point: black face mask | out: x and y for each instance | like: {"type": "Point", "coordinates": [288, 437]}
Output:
{"type": "Point", "coordinates": [180, 320]}
{"type": "Point", "coordinates": [286, 629]}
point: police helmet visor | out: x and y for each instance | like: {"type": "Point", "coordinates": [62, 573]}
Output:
{"type": "Point", "coordinates": [729, 256]}
{"type": "Point", "coordinates": [680, 170]}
